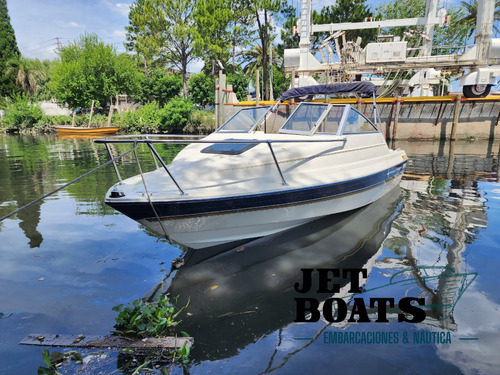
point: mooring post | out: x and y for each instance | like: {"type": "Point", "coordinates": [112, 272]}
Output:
{"type": "Point", "coordinates": [456, 115]}
{"type": "Point", "coordinates": [396, 118]}
{"type": "Point", "coordinates": [451, 160]}
{"type": "Point", "coordinates": [222, 97]}
{"type": "Point", "coordinates": [91, 112]}
{"type": "Point", "coordinates": [498, 119]}
{"type": "Point", "coordinates": [257, 87]}
{"type": "Point", "coordinates": [217, 103]}
{"type": "Point", "coordinates": [110, 113]}
{"type": "Point", "coordinates": [388, 131]}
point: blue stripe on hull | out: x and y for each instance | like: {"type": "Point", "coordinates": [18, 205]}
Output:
{"type": "Point", "coordinates": [179, 208]}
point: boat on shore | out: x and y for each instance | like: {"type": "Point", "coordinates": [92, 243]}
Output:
{"type": "Point", "coordinates": [86, 131]}
{"type": "Point", "coordinates": [244, 182]}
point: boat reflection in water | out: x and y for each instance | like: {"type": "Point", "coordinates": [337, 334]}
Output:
{"type": "Point", "coordinates": [240, 295]}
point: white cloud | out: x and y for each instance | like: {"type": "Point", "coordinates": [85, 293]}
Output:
{"type": "Point", "coordinates": [477, 317]}
{"type": "Point", "coordinates": [122, 8]}
{"type": "Point", "coordinates": [119, 33]}
{"type": "Point", "coordinates": [70, 25]}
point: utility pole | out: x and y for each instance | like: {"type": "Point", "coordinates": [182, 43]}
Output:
{"type": "Point", "coordinates": [58, 47]}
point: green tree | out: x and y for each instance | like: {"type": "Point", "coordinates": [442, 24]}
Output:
{"type": "Point", "coordinates": [221, 26]}
{"type": "Point", "coordinates": [237, 77]}
{"type": "Point", "coordinates": [281, 82]}
{"type": "Point", "coordinates": [162, 86]}
{"type": "Point", "coordinates": [253, 60]}
{"type": "Point", "coordinates": [394, 9]}
{"type": "Point", "coordinates": [288, 40]}
{"type": "Point", "coordinates": [202, 89]}
{"type": "Point", "coordinates": [469, 15]}
{"type": "Point", "coordinates": [263, 11]}
{"type": "Point", "coordinates": [456, 34]}
{"type": "Point", "coordinates": [347, 11]}
{"type": "Point", "coordinates": [162, 32]}
{"type": "Point", "coordinates": [240, 26]}
{"type": "Point", "coordinates": [213, 34]}
{"type": "Point", "coordinates": [91, 70]}
{"type": "Point", "coordinates": [46, 67]}
{"type": "Point", "coordinates": [8, 51]}
{"type": "Point", "coordinates": [26, 72]}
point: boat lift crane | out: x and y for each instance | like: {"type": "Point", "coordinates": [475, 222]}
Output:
{"type": "Point", "coordinates": [479, 65]}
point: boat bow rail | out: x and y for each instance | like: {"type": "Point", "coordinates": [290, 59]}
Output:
{"type": "Point", "coordinates": [150, 140]}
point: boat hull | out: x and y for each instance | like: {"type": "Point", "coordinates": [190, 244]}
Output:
{"type": "Point", "coordinates": [84, 131]}
{"type": "Point", "coordinates": [202, 223]}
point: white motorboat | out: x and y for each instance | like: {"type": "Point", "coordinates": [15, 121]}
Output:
{"type": "Point", "coordinates": [244, 182]}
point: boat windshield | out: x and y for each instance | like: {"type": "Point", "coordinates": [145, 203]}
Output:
{"type": "Point", "coordinates": [303, 120]}
{"type": "Point", "coordinates": [356, 122]}
{"type": "Point", "coordinates": [244, 120]}
{"type": "Point", "coordinates": [311, 118]}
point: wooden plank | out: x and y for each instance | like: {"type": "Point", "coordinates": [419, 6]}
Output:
{"type": "Point", "coordinates": [92, 341]}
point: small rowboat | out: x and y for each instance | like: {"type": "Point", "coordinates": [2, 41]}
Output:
{"type": "Point", "coordinates": [85, 131]}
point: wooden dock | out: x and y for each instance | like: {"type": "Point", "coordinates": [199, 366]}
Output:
{"type": "Point", "coordinates": [89, 341]}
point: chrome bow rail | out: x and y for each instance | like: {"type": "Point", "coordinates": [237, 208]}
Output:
{"type": "Point", "coordinates": [151, 139]}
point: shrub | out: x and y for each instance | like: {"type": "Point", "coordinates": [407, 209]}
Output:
{"type": "Point", "coordinates": [128, 122]}
{"type": "Point", "coordinates": [50, 121]}
{"type": "Point", "coordinates": [175, 115]}
{"type": "Point", "coordinates": [21, 114]}
{"type": "Point", "coordinates": [145, 120]}
{"type": "Point", "coordinates": [202, 122]}
{"type": "Point", "coordinates": [148, 118]}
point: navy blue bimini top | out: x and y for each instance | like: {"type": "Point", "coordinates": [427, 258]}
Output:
{"type": "Point", "coordinates": [362, 87]}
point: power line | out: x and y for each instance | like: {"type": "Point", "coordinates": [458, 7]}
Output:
{"type": "Point", "coordinates": [39, 48]}
{"type": "Point", "coordinates": [36, 44]}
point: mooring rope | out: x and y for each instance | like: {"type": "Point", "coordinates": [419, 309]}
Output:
{"type": "Point", "coordinates": [149, 196]}
{"type": "Point", "coordinates": [69, 183]}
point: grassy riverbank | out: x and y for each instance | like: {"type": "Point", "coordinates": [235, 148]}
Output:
{"type": "Point", "coordinates": [179, 116]}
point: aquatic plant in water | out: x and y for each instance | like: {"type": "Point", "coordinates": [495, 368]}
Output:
{"type": "Point", "coordinates": [147, 319]}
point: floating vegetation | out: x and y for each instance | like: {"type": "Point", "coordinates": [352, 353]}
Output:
{"type": "Point", "coordinates": [151, 319]}
{"type": "Point", "coordinates": [147, 319]}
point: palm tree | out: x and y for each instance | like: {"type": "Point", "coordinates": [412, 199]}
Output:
{"type": "Point", "coordinates": [470, 15]}
{"type": "Point", "coordinates": [26, 72]}
{"type": "Point", "coordinates": [254, 59]}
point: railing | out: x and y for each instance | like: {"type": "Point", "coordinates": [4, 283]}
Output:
{"type": "Point", "coordinates": [137, 139]}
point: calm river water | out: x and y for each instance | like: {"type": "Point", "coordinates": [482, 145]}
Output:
{"type": "Point", "coordinates": [64, 263]}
